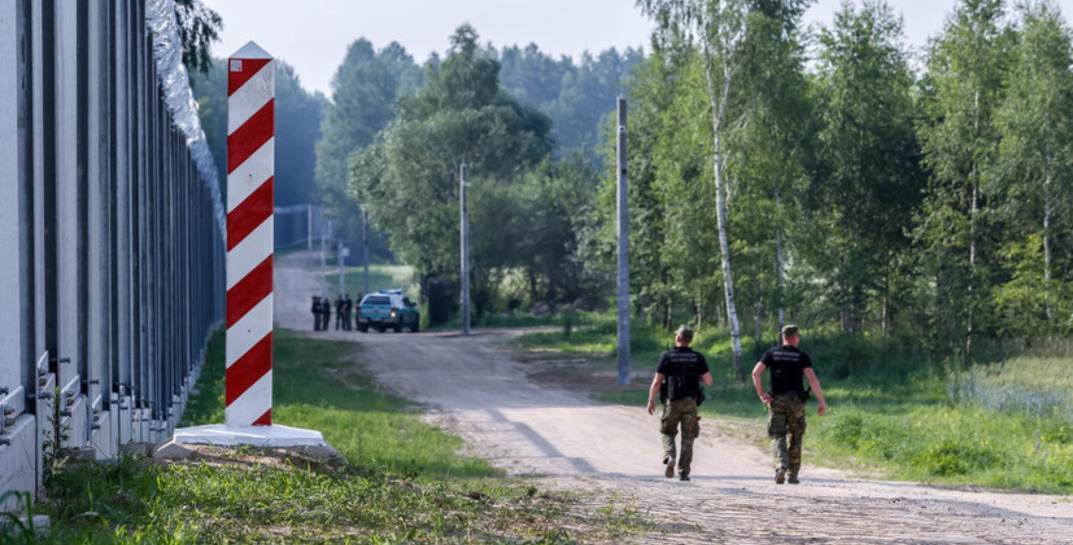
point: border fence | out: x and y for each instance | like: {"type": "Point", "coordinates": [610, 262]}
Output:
{"type": "Point", "coordinates": [111, 248]}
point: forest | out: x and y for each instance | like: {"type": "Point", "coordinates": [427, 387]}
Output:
{"type": "Point", "coordinates": [826, 176]}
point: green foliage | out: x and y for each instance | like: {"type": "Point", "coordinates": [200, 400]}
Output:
{"type": "Point", "coordinates": [1036, 120]}
{"type": "Point", "coordinates": [578, 95]}
{"type": "Point", "coordinates": [954, 228]}
{"type": "Point", "coordinates": [366, 89]}
{"type": "Point", "coordinates": [523, 209]}
{"type": "Point", "coordinates": [869, 182]}
{"type": "Point", "coordinates": [958, 444]}
{"type": "Point", "coordinates": [859, 197]}
{"type": "Point", "coordinates": [199, 26]}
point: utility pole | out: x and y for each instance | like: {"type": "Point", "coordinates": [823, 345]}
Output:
{"type": "Point", "coordinates": [323, 258]}
{"type": "Point", "coordinates": [309, 227]}
{"type": "Point", "coordinates": [365, 251]}
{"type": "Point", "coordinates": [465, 247]}
{"type": "Point", "coordinates": [623, 220]}
{"type": "Point", "coordinates": [342, 269]}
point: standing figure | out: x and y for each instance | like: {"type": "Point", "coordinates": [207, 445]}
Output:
{"type": "Point", "coordinates": [339, 312]}
{"type": "Point", "coordinates": [316, 313]}
{"type": "Point", "coordinates": [325, 313]}
{"type": "Point", "coordinates": [678, 382]}
{"type": "Point", "coordinates": [348, 308]}
{"type": "Point", "coordinates": [786, 401]}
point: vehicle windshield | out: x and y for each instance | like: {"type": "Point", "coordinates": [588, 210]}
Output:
{"type": "Point", "coordinates": [376, 300]}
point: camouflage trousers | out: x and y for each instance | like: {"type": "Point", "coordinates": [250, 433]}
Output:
{"type": "Point", "coordinates": [786, 417]}
{"type": "Point", "coordinates": [682, 414]}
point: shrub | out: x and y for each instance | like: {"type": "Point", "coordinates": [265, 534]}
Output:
{"type": "Point", "coordinates": [951, 457]}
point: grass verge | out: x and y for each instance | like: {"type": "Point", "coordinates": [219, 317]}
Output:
{"type": "Point", "coordinates": [1004, 425]}
{"type": "Point", "coordinates": [406, 481]}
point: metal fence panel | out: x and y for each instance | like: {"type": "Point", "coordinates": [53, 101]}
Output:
{"type": "Point", "coordinates": [114, 276]}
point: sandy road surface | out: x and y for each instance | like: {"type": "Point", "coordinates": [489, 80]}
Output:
{"type": "Point", "coordinates": [476, 389]}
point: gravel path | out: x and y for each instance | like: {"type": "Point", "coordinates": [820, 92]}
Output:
{"type": "Point", "coordinates": [477, 390]}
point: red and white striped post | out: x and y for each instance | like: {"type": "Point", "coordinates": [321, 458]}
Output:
{"type": "Point", "coordinates": [251, 89]}
{"type": "Point", "coordinates": [251, 81]}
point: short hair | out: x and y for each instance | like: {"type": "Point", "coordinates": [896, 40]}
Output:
{"type": "Point", "coordinates": [790, 331]}
{"type": "Point", "coordinates": [685, 332]}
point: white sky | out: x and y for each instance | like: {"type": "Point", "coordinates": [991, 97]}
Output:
{"type": "Point", "coordinates": [312, 35]}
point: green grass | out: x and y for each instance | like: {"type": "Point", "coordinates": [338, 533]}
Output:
{"type": "Point", "coordinates": [381, 277]}
{"type": "Point", "coordinates": [406, 482]}
{"type": "Point", "coordinates": [504, 320]}
{"type": "Point", "coordinates": [893, 414]}
{"type": "Point", "coordinates": [594, 337]}
{"type": "Point", "coordinates": [369, 427]}
{"type": "Point", "coordinates": [1034, 386]}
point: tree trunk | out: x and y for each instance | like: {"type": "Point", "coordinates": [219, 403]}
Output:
{"type": "Point", "coordinates": [668, 315]}
{"type": "Point", "coordinates": [700, 308]}
{"type": "Point", "coordinates": [718, 104]}
{"type": "Point", "coordinates": [972, 267]}
{"type": "Point", "coordinates": [886, 302]}
{"type": "Point", "coordinates": [534, 296]}
{"type": "Point", "coordinates": [758, 333]}
{"type": "Point", "coordinates": [1047, 244]}
{"type": "Point", "coordinates": [972, 228]}
{"type": "Point", "coordinates": [779, 268]}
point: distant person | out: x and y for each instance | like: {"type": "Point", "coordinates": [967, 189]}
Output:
{"type": "Point", "coordinates": [339, 304]}
{"type": "Point", "coordinates": [316, 313]}
{"type": "Point", "coordinates": [678, 381]}
{"type": "Point", "coordinates": [786, 401]}
{"type": "Point", "coordinates": [325, 313]}
{"type": "Point", "coordinates": [348, 308]}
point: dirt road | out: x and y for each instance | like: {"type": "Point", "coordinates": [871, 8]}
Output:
{"type": "Point", "coordinates": [477, 390]}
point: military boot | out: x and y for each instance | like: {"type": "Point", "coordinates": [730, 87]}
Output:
{"type": "Point", "coordinates": [669, 471]}
{"type": "Point", "coordinates": [793, 478]}
{"type": "Point", "coordinates": [780, 476]}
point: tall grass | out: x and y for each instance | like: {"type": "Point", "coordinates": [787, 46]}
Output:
{"type": "Point", "coordinates": [1033, 386]}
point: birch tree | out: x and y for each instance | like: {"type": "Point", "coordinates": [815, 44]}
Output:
{"type": "Point", "coordinates": [717, 28]}
{"type": "Point", "coordinates": [964, 78]}
{"type": "Point", "coordinates": [1036, 122]}
{"type": "Point", "coordinates": [870, 182]}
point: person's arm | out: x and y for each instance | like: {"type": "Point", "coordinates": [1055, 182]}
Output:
{"type": "Point", "coordinates": [705, 371]}
{"type": "Point", "coordinates": [653, 391]}
{"type": "Point", "coordinates": [758, 372]}
{"type": "Point", "coordinates": [814, 382]}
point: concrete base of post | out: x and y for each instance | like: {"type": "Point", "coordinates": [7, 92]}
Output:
{"type": "Point", "coordinates": [307, 443]}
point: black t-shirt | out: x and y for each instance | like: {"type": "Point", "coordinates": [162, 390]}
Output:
{"type": "Point", "coordinates": [683, 368]}
{"type": "Point", "coordinates": [787, 365]}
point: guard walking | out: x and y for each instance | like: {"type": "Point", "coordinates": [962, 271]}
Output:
{"type": "Point", "coordinates": [678, 383]}
{"type": "Point", "coordinates": [316, 313]}
{"type": "Point", "coordinates": [786, 401]}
